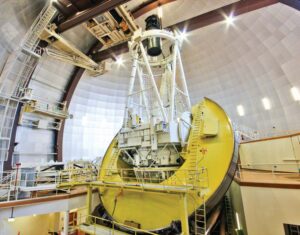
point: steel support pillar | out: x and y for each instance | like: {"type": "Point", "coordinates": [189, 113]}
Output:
{"type": "Point", "coordinates": [184, 215]}
{"type": "Point", "coordinates": [66, 222]}
{"type": "Point", "coordinates": [89, 201]}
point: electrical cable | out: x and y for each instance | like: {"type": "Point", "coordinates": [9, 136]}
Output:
{"type": "Point", "coordinates": [116, 200]}
{"type": "Point", "coordinates": [115, 205]}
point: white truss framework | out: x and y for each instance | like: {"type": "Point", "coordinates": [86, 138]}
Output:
{"type": "Point", "coordinates": [157, 88]}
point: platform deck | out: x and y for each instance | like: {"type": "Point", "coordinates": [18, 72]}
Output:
{"type": "Point", "coordinates": [99, 230]}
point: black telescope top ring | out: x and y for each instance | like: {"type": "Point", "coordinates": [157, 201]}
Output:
{"type": "Point", "coordinates": [153, 44]}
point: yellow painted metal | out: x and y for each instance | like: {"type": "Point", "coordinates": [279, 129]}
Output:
{"type": "Point", "coordinates": [58, 111]}
{"type": "Point", "coordinates": [111, 228]}
{"type": "Point", "coordinates": [64, 45]}
{"type": "Point", "coordinates": [184, 215]}
{"type": "Point", "coordinates": [155, 211]}
{"type": "Point", "coordinates": [89, 199]}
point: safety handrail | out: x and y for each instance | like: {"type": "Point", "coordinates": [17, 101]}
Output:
{"type": "Point", "coordinates": [190, 179]}
{"type": "Point", "coordinates": [280, 171]}
{"type": "Point", "coordinates": [113, 225]}
{"type": "Point", "coordinates": [43, 180]}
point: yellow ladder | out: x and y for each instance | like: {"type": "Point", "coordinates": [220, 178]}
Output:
{"type": "Point", "coordinates": [193, 147]}
{"type": "Point", "coordinates": [229, 214]}
{"type": "Point", "coordinates": [201, 184]}
{"type": "Point", "coordinates": [112, 161]}
{"type": "Point", "coordinates": [200, 218]}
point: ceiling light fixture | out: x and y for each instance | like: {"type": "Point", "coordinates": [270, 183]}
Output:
{"type": "Point", "coordinates": [295, 93]}
{"type": "Point", "coordinates": [266, 103]}
{"type": "Point", "coordinates": [119, 61]}
{"type": "Point", "coordinates": [229, 19]}
{"type": "Point", "coordinates": [183, 35]}
{"type": "Point", "coordinates": [240, 110]}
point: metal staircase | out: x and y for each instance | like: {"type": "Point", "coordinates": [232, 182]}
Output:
{"type": "Point", "coordinates": [19, 74]}
{"type": "Point", "coordinates": [7, 186]}
{"type": "Point", "coordinates": [201, 185]}
{"type": "Point", "coordinates": [31, 38]}
{"type": "Point", "coordinates": [16, 77]}
{"type": "Point", "coordinates": [229, 215]}
{"type": "Point", "coordinates": [4, 187]}
{"type": "Point", "coordinates": [198, 176]}
{"type": "Point", "coordinates": [112, 162]}
{"type": "Point", "coordinates": [193, 147]}
{"type": "Point", "coordinates": [7, 114]}
{"type": "Point", "coordinates": [200, 218]}
{"type": "Point", "coordinates": [12, 80]}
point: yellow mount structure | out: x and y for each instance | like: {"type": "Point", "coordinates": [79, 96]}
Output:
{"type": "Point", "coordinates": [153, 204]}
{"type": "Point", "coordinates": [145, 203]}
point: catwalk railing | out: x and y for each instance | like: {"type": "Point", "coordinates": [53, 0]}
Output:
{"type": "Point", "coordinates": [16, 186]}
{"type": "Point", "coordinates": [12, 184]}
{"type": "Point", "coordinates": [96, 225]}
{"type": "Point", "coordinates": [143, 180]}
{"type": "Point", "coordinates": [283, 173]}
{"type": "Point", "coordinates": [243, 133]}
{"type": "Point", "coordinates": [160, 178]}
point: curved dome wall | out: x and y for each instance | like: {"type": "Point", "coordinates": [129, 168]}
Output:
{"type": "Point", "coordinates": [48, 81]}
{"type": "Point", "coordinates": [16, 17]}
{"type": "Point", "coordinates": [257, 57]}
{"type": "Point", "coordinates": [97, 107]}
{"type": "Point", "coordinates": [180, 10]}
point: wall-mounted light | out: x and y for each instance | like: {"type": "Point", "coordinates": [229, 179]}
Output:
{"type": "Point", "coordinates": [238, 221]}
{"type": "Point", "coordinates": [240, 109]}
{"type": "Point", "coordinates": [266, 103]}
{"type": "Point", "coordinates": [295, 93]}
{"type": "Point", "coordinates": [11, 219]}
{"type": "Point", "coordinates": [84, 121]}
{"type": "Point", "coordinates": [160, 12]}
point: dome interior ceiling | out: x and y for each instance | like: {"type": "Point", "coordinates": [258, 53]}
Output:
{"type": "Point", "coordinates": [16, 17]}
{"type": "Point", "coordinates": [257, 57]}
{"type": "Point", "coordinates": [178, 11]}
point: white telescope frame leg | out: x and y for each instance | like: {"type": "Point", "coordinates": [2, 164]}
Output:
{"type": "Point", "coordinates": [183, 79]}
{"type": "Point", "coordinates": [173, 83]}
{"type": "Point", "coordinates": [139, 72]}
{"type": "Point", "coordinates": [148, 67]}
{"type": "Point", "coordinates": [131, 86]}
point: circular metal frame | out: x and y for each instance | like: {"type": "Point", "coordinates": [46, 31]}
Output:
{"type": "Point", "coordinates": [163, 34]}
